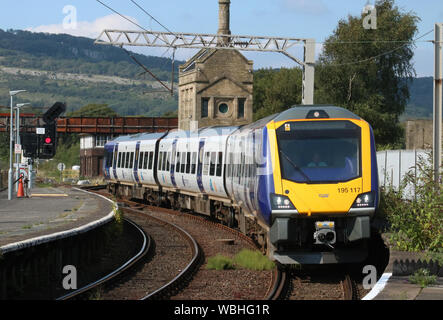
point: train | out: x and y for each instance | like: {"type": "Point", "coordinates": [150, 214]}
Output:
{"type": "Point", "coordinates": [302, 183]}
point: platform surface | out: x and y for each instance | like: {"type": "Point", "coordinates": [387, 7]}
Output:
{"type": "Point", "coordinates": [400, 288]}
{"type": "Point", "coordinates": [47, 211]}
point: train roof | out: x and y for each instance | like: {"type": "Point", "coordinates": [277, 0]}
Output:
{"type": "Point", "coordinates": [203, 132]}
{"type": "Point", "coordinates": [304, 112]}
{"type": "Point", "coordinates": [140, 136]}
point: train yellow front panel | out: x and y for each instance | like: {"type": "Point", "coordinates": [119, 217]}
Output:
{"type": "Point", "coordinates": [322, 198]}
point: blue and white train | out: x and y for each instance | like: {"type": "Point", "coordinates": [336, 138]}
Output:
{"type": "Point", "coordinates": [302, 183]}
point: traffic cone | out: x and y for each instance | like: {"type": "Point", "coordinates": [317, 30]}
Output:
{"type": "Point", "coordinates": [20, 191]}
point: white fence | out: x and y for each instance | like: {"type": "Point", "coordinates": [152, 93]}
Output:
{"type": "Point", "coordinates": [393, 165]}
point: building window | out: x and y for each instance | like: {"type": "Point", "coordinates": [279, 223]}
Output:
{"type": "Point", "coordinates": [205, 107]}
{"type": "Point", "coordinates": [223, 108]}
{"type": "Point", "coordinates": [241, 108]}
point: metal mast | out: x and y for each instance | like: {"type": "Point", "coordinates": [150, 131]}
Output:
{"type": "Point", "coordinates": [222, 40]}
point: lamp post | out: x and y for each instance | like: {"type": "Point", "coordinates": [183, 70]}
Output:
{"type": "Point", "coordinates": [17, 138]}
{"type": "Point", "coordinates": [11, 140]}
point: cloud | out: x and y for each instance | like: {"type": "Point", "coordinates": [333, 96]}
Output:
{"type": "Point", "coordinates": [89, 29]}
{"type": "Point", "coordinates": [314, 7]}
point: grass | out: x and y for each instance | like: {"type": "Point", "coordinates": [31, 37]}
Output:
{"type": "Point", "coordinates": [220, 262]}
{"type": "Point", "coordinates": [253, 260]}
{"type": "Point", "coordinates": [246, 259]}
{"type": "Point", "coordinates": [423, 278]}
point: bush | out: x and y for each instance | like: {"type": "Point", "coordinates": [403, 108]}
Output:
{"type": "Point", "coordinates": [417, 224]}
{"type": "Point", "coordinates": [423, 278]}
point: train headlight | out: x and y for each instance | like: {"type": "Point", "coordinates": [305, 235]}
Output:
{"type": "Point", "coordinates": [281, 202]}
{"type": "Point", "coordinates": [364, 200]}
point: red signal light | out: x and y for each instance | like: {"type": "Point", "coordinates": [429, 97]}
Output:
{"type": "Point", "coordinates": [48, 140]}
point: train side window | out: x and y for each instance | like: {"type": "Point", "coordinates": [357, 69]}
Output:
{"type": "Point", "coordinates": [188, 162]}
{"type": "Point", "coordinates": [183, 163]}
{"type": "Point", "coordinates": [140, 160]}
{"type": "Point", "coordinates": [118, 160]}
{"type": "Point", "coordinates": [145, 160]}
{"type": "Point", "coordinates": [165, 157]}
{"type": "Point", "coordinates": [160, 161]}
{"type": "Point", "coordinates": [123, 160]}
{"type": "Point", "coordinates": [219, 164]}
{"type": "Point", "coordinates": [168, 162]}
{"type": "Point", "coordinates": [212, 166]}
{"type": "Point", "coordinates": [177, 163]}
{"type": "Point", "coordinates": [151, 160]}
{"type": "Point", "coordinates": [206, 164]}
{"type": "Point", "coordinates": [194, 162]}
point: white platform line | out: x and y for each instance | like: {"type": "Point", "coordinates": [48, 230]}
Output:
{"type": "Point", "coordinates": [379, 286]}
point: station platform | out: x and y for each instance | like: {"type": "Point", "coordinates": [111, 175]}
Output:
{"type": "Point", "coordinates": [395, 287]}
{"type": "Point", "coordinates": [49, 214]}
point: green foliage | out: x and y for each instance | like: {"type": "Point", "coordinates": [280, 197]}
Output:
{"type": "Point", "coordinates": [68, 152]}
{"type": "Point", "coordinates": [423, 278]}
{"type": "Point", "coordinates": [219, 262]}
{"type": "Point", "coordinates": [374, 88]}
{"type": "Point", "coordinates": [94, 110]}
{"type": "Point", "coordinates": [253, 260]}
{"type": "Point", "coordinates": [417, 224]}
{"type": "Point", "coordinates": [276, 90]}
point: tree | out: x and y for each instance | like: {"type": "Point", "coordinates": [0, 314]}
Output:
{"type": "Point", "coordinates": [364, 70]}
{"type": "Point", "coordinates": [276, 90]}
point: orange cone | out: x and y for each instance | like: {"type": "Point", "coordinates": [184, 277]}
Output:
{"type": "Point", "coordinates": [20, 191]}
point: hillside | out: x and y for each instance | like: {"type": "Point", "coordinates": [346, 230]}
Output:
{"type": "Point", "coordinates": [421, 103]}
{"type": "Point", "coordinates": [78, 72]}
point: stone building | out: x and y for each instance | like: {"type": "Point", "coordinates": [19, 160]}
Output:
{"type": "Point", "coordinates": [215, 88]}
{"type": "Point", "coordinates": [216, 85]}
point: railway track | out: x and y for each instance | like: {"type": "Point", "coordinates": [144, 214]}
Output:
{"type": "Point", "coordinates": [285, 283]}
{"type": "Point", "coordinates": [145, 276]}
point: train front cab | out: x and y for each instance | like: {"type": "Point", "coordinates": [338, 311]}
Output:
{"type": "Point", "coordinates": [326, 186]}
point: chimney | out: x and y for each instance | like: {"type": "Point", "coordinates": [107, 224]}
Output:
{"type": "Point", "coordinates": [223, 20]}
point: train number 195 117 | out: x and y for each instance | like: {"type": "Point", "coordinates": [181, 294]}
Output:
{"type": "Point", "coordinates": [349, 190]}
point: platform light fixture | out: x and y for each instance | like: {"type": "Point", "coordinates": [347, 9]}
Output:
{"type": "Point", "coordinates": [12, 93]}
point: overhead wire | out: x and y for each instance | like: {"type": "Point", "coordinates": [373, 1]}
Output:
{"type": "Point", "coordinates": [379, 55]}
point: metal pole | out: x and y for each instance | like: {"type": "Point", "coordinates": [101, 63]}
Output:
{"type": "Point", "coordinates": [10, 172]}
{"type": "Point", "coordinates": [17, 141]}
{"type": "Point", "coordinates": [438, 78]}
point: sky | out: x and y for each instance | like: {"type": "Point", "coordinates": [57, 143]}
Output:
{"type": "Point", "coordinates": [284, 18]}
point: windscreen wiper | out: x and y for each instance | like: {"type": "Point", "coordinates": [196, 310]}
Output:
{"type": "Point", "coordinates": [295, 166]}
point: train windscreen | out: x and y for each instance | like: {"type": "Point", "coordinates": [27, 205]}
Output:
{"type": "Point", "coordinates": [319, 151]}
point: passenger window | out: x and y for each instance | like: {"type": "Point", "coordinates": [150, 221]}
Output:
{"type": "Point", "coordinates": [168, 155]}
{"type": "Point", "coordinates": [188, 162]}
{"type": "Point", "coordinates": [145, 160]}
{"type": "Point", "coordinates": [212, 166]}
{"type": "Point", "coordinates": [194, 162]}
{"type": "Point", "coordinates": [165, 156]}
{"type": "Point", "coordinates": [206, 164]}
{"type": "Point", "coordinates": [177, 164]}
{"type": "Point", "coordinates": [160, 160]}
{"type": "Point", "coordinates": [140, 160]}
{"type": "Point", "coordinates": [131, 163]}
{"type": "Point", "coordinates": [183, 163]}
{"type": "Point", "coordinates": [219, 164]}
{"type": "Point", "coordinates": [151, 160]}
{"type": "Point", "coordinates": [119, 159]}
